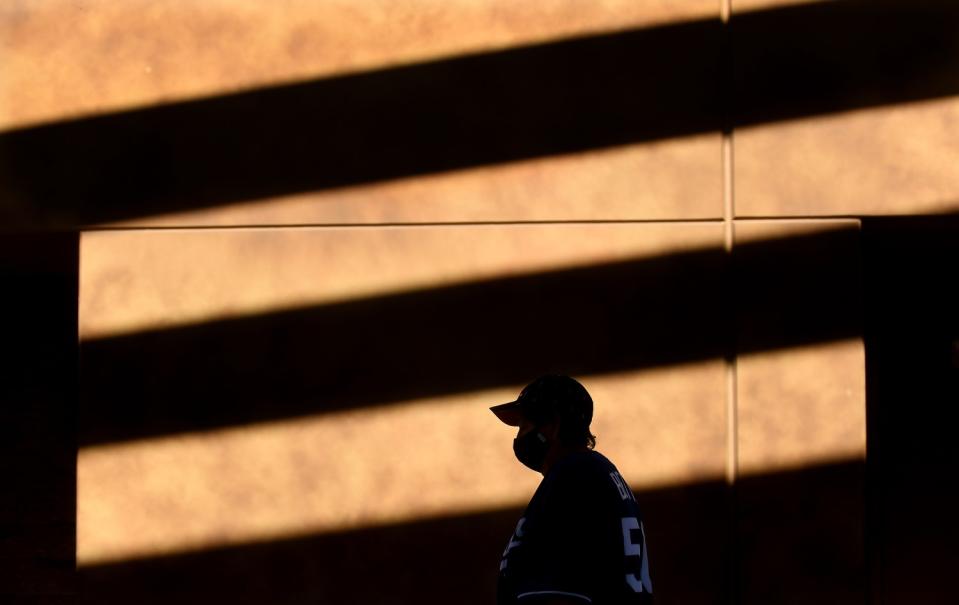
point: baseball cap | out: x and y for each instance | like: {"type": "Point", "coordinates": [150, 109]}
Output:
{"type": "Point", "coordinates": [548, 396]}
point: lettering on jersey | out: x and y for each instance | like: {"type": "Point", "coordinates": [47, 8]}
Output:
{"type": "Point", "coordinates": [639, 582]}
{"type": "Point", "coordinates": [514, 541]}
{"type": "Point", "coordinates": [624, 492]}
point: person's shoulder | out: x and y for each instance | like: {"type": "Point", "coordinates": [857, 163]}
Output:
{"type": "Point", "coordinates": [589, 461]}
{"type": "Point", "coordinates": [592, 472]}
{"type": "Point", "coordinates": [582, 467]}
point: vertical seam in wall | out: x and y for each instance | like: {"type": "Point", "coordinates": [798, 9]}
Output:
{"type": "Point", "coordinates": [727, 100]}
{"type": "Point", "coordinates": [732, 449]}
{"type": "Point", "coordinates": [729, 234]}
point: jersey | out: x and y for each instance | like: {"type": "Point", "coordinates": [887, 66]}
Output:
{"type": "Point", "coordinates": [581, 538]}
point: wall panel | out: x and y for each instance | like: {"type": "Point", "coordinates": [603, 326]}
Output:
{"type": "Point", "coordinates": [800, 535]}
{"type": "Point", "coordinates": [820, 167]}
{"type": "Point", "coordinates": [243, 387]}
{"type": "Point", "coordinates": [65, 59]}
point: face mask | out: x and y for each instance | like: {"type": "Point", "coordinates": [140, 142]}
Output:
{"type": "Point", "coordinates": [530, 449]}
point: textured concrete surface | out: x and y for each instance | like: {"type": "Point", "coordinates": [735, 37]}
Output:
{"type": "Point", "coordinates": [801, 535]}
{"type": "Point", "coordinates": [64, 58]}
{"type": "Point", "coordinates": [270, 481]}
{"type": "Point", "coordinates": [68, 59]}
{"type": "Point", "coordinates": [801, 407]}
{"type": "Point", "coordinates": [359, 467]}
{"type": "Point", "coordinates": [751, 5]}
{"type": "Point", "coordinates": [137, 280]}
{"type": "Point", "coordinates": [805, 405]}
{"type": "Point", "coordinates": [674, 178]}
{"type": "Point", "coordinates": [891, 160]}
{"type": "Point", "coordinates": [411, 462]}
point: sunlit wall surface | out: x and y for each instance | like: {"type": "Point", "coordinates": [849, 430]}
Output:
{"type": "Point", "coordinates": [401, 459]}
{"type": "Point", "coordinates": [292, 324]}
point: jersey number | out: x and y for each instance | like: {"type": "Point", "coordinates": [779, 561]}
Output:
{"type": "Point", "coordinates": [632, 549]}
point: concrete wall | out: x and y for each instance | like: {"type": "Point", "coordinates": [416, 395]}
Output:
{"type": "Point", "coordinates": [299, 248]}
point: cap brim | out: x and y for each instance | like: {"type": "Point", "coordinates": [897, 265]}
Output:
{"type": "Point", "coordinates": [509, 413]}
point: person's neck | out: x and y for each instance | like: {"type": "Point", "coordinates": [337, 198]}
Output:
{"type": "Point", "coordinates": [559, 452]}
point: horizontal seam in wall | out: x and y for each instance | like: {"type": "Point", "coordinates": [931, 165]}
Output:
{"type": "Point", "coordinates": [709, 221]}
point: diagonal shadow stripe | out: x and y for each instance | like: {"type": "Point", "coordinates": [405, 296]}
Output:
{"type": "Point", "coordinates": [450, 559]}
{"type": "Point", "coordinates": [784, 516]}
{"type": "Point", "coordinates": [909, 262]}
{"type": "Point", "coordinates": [603, 318]}
{"type": "Point", "coordinates": [429, 117]}
{"type": "Point", "coordinates": [843, 55]}
{"type": "Point", "coordinates": [495, 107]}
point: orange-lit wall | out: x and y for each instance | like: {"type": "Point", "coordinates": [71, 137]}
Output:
{"type": "Point", "coordinates": [284, 380]}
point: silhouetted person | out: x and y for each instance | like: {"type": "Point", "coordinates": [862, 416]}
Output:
{"type": "Point", "coordinates": [581, 538]}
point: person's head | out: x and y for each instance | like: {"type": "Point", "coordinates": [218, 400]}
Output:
{"type": "Point", "coordinates": [553, 414]}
